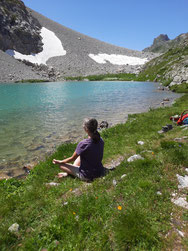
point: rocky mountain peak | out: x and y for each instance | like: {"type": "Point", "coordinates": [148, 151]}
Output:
{"type": "Point", "coordinates": [160, 39]}
{"type": "Point", "coordinates": [160, 44]}
{"type": "Point", "coordinates": [19, 30]}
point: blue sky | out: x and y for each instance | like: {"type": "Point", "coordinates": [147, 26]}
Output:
{"type": "Point", "coordinates": [128, 23]}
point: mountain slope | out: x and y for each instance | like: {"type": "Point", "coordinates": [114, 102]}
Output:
{"type": "Point", "coordinates": [170, 68]}
{"type": "Point", "coordinates": [162, 43]}
{"type": "Point", "coordinates": [76, 55]}
{"type": "Point", "coordinates": [78, 47]}
{"type": "Point", "coordinates": [12, 70]}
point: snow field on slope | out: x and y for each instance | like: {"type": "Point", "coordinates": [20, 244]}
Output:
{"type": "Point", "coordinates": [52, 47]}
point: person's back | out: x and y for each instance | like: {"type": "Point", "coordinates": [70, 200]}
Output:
{"type": "Point", "coordinates": [87, 156]}
{"type": "Point", "coordinates": [91, 154]}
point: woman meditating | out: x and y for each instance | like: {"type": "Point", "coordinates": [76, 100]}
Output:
{"type": "Point", "coordinates": [87, 156]}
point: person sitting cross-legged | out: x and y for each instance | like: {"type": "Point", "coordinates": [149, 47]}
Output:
{"type": "Point", "coordinates": [87, 156]}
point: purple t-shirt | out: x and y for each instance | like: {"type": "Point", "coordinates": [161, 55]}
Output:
{"type": "Point", "coordinates": [91, 155]}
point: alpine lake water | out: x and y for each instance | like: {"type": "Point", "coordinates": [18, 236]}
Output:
{"type": "Point", "coordinates": [37, 117]}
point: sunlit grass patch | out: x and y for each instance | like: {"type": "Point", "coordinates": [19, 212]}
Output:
{"type": "Point", "coordinates": [134, 228]}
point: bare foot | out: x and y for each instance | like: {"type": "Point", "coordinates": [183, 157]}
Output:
{"type": "Point", "coordinates": [61, 175]}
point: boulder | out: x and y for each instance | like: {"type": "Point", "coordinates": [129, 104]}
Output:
{"type": "Point", "coordinates": [19, 30]}
{"type": "Point", "coordinates": [103, 124]}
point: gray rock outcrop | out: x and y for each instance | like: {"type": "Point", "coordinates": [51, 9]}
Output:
{"type": "Point", "coordinates": [11, 70]}
{"type": "Point", "coordinates": [178, 74]}
{"type": "Point", "coordinates": [162, 43]}
{"type": "Point", "coordinates": [19, 30]}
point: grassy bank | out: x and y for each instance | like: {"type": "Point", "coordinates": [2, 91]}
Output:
{"type": "Point", "coordinates": [135, 214]}
{"type": "Point", "coordinates": [32, 81]}
{"type": "Point", "coordinates": [146, 75]}
{"type": "Point", "coordinates": [105, 77]}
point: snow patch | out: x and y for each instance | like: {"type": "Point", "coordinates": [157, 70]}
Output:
{"type": "Point", "coordinates": [102, 58]}
{"type": "Point", "coordinates": [52, 48]}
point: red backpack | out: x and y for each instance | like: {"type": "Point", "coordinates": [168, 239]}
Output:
{"type": "Point", "coordinates": [183, 118]}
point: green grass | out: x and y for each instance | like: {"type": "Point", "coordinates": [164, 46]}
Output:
{"type": "Point", "coordinates": [158, 67]}
{"type": "Point", "coordinates": [183, 88]}
{"type": "Point", "coordinates": [148, 74]}
{"type": "Point", "coordinates": [109, 77]}
{"type": "Point", "coordinates": [31, 81]}
{"type": "Point", "coordinates": [91, 219]}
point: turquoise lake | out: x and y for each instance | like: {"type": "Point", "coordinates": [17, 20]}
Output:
{"type": "Point", "coordinates": [36, 118]}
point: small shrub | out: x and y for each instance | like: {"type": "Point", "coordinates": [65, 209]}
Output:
{"type": "Point", "coordinates": [168, 144]}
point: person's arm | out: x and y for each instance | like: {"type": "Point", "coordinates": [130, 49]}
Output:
{"type": "Point", "coordinates": [68, 160]}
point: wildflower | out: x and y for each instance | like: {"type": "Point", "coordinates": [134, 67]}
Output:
{"type": "Point", "coordinates": [70, 190]}
{"type": "Point", "coordinates": [77, 217]}
{"type": "Point", "coordinates": [152, 153]}
{"type": "Point", "coordinates": [96, 197]}
{"type": "Point", "coordinates": [74, 213]}
{"type": "Point", "coordinates": [119, 208]}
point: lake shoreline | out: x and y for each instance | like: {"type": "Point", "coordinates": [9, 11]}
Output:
{"type": "Point", "coordinates": [142, 191]}
{"type": "Point", "coordinates": [23, 170]}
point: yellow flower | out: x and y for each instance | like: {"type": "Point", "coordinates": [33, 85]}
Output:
{"type": "Point", "coordinates": [70, 190]}
{"type": "Point", "coordinates": [74, 213]}
{"type": "Point", "coordinates": [152, 153]}
{"type": "Point", "coordinates": [119, 207]}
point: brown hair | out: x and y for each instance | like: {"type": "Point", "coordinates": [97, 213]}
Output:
{"type": "Point", "coordinates": [91, 125]}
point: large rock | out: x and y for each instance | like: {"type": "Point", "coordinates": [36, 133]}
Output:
{"type": "Point", "coordinates": [18, 29]}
